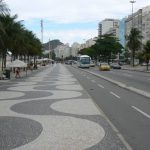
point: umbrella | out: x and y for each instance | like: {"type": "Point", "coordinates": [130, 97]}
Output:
{"type": "Point", "coordinates": [17, 63]}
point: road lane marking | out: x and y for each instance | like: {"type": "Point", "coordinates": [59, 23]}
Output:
{"type": "Point", "coordinates": [112, 72]}
{"type": "Point", "coordinates": [88, 77]}
{"type": "Point", "coordinates": [115, 95]}
{"type": "Point", "coordinates": [127, 75]}
{"type": "Point", "coordinates": [101, 86]}
{"type": "Point", "coordinates": [142, 112]}
{"type": "Point", "coordinates": [93, 81]}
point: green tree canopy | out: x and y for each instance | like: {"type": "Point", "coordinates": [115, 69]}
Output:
{"type": "Point", "coordinates": [105, 47]}
{"type": "Point", "coordinates": [108, 45]}
{"type": "Point", "coordinates": [146, 52]}
{"type": "Point", "coordinates": [15, 38]}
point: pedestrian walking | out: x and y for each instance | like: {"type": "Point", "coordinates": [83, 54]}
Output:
{"type": "Point", "coordinates": [17, 72]}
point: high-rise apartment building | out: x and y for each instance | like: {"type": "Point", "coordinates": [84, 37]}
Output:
{"type": "Point", "coordinates": [140, 20]}
{"type": "Point", "coordinates": [99, 29]}
{"type": "Point", "coordinates": [75, 49]}
{"type": "Point", "coordinates": [146, 24]}
{"type": "Point", "coordinates": [109, 26]}
{"type": "Point", "coordinates": [122, 32]}
{"type": "Point", "coordinates": [112, 26]}
{"type": "Point", "coordinates": [62, 51]}
{"type": "Point", "coordinates": [135, 22]}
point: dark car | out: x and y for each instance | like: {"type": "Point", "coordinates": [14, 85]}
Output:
{"type": "Point", "coordinates": [115, 66]}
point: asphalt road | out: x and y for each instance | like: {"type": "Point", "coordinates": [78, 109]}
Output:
{"type": "Point", "coordinates": [135, 79]}
{"type": "Point", "coordinates": [128, 111]}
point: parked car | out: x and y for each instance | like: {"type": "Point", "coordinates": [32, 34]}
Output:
{"type": "Point", "coordinates": [69, 62]}
{"type": "Point", "coordinates": [104, 67]}
{"type": "Point", "coordinates": [115, 66]}
{"type": "Point", "coordinates": [74, 62]}
{"type": "Point", "coordinates": [92, 63]}
{"type": "Point", "coordinates": [145, 64]}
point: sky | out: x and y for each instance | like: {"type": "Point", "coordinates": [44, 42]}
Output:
{"type": "Point", "coordinates": [70, 20]}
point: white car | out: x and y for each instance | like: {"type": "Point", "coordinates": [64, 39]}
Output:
{"type": "Point", "coordinates": [92, 63]}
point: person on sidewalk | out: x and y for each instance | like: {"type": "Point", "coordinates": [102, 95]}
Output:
{"type": "Point", "coordinates": [17, 72]}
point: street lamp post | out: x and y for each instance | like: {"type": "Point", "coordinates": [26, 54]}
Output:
{"type": "Point", "coordinates": [132, 2]}
{"type": "Point", "coordinates": [49, 49]}
{"type": "Point", "coordinates": [41, 31]}
{"type": "Point", "coordinates": [132, 55]}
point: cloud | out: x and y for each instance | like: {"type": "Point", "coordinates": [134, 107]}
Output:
{"type": "Point", "coordinates": [69, 36]}
{"type": "Point", "coordinates": [66, 11]}
{"type": "Point", "coordinates": [61, 12]}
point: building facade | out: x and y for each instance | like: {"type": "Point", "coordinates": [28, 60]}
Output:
{"type": "Point", "coordinates": [109, 26]}
{"type": "Point", "coordinates": [99, 29]}
{"type": "Point", "coordinates": [133, 22]}
{"type": "Point", "coordinates": [146, 24]}
{"type": "Point", "coordinates": [141, 21]}
{"type": "Point", "coordinates": [62, 51]}
{"type": "Point", "coordinates": [122, 32]}
{"type": "Point", "coordinates": [75, 49]}
{"type": "Point", "coordinates": [88, 43]}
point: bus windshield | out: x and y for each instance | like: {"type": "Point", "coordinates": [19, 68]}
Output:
{"type": "Point", "coordinates": [85, 60]}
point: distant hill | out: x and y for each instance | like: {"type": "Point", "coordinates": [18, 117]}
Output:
{"type": "Point", "coordinates": [52, 44]}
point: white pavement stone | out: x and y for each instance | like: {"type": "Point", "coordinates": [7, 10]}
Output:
{"type": "Point", "coordinates": [23, 88]}
{"type": "Point", "coordinates": [10, 94]}
{"type": "Point", "coordinates": [66, 133]}
{"type": "Point", "coordinates": [76, 87]}
{"type": "Point", "coordinates": [25, 83]}
{"type": "Point", "coordinates": [76, 106]}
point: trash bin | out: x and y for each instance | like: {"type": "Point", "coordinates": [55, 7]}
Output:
{"type": "Point", "coordinates": [7, 74]}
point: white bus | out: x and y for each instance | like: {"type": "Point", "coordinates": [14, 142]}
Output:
{"type": "Point", "coordinates": [83, 61]}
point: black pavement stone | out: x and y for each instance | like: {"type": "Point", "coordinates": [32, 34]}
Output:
{"type": "Point", "coordinates": [33, 94]}
{"type": "Point", "coordinates": [15, 132]}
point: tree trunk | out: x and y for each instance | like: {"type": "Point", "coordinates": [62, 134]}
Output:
{"type": "Point", "coordinates": [147, 62]}
{"type": "Point", "coordinates": [133, 55]}
{"type": "Point", "coordinates": [28, 59]}
{"type": "Point", "coordinates": [34, 60]}
{"type": "Point", "coordinates": [3, 61]}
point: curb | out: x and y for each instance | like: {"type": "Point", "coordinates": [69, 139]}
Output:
{"type": "Point", "coordinates": [145, 71]}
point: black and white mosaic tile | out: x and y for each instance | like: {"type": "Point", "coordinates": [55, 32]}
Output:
{"type": "Point", "coordinates": [51, 111]}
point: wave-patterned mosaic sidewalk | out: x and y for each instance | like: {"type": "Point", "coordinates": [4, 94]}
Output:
{"type": "Point", "coordinates": [52, 111]}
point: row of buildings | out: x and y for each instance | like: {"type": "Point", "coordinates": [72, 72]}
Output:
{"type": "Point", "coordinates": [64, 50]}
{"type": "Point", "coordinates": [119, 28]}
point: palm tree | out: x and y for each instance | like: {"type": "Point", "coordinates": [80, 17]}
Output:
{"type": "Point", "coordinates": [3, 7]}
{"type": "Point", "coordinates": [147, 53]}
{"type": "Point", "coordinates": [15, 38]}
{"type": "Point", "coordinates": [6, 35]}
{"type": "Point", "coordinates": [134, 42]}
